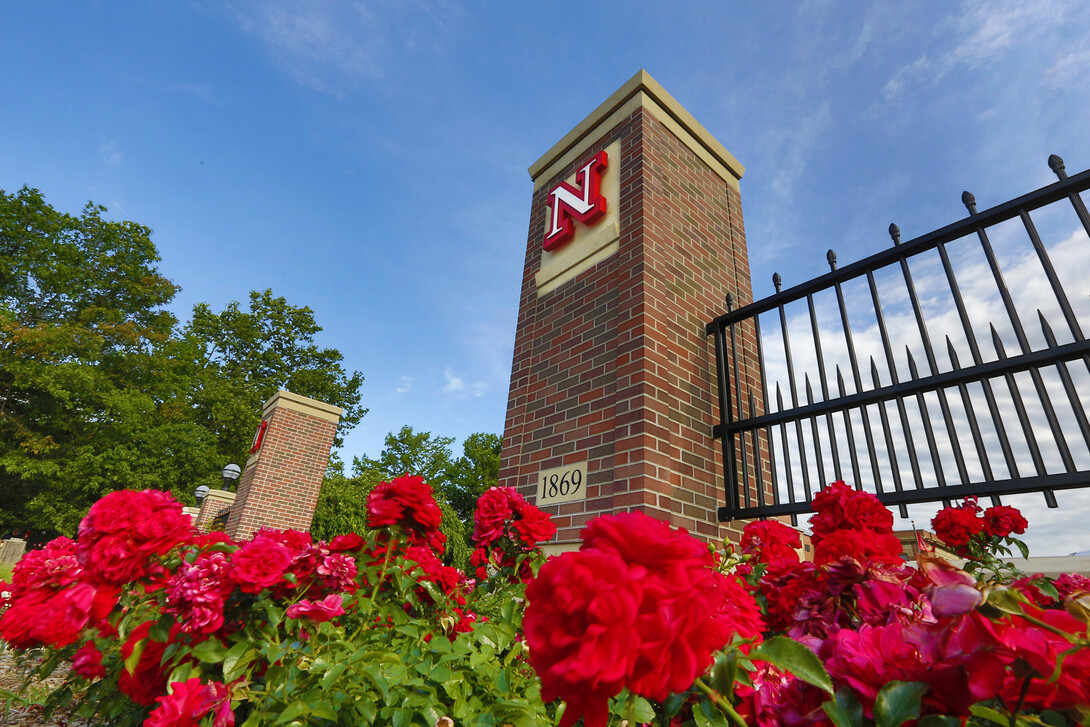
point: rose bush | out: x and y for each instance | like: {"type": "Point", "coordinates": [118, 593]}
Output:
{"type": "Point", "coordinates": [644, 623]}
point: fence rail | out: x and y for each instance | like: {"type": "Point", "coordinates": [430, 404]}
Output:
{"type": "Point", "coordinates": [855, 421]}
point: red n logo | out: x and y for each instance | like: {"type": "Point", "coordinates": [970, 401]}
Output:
{"type": "Point", "coordinates": [567, 202]}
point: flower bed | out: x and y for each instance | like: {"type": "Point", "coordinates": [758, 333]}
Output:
{"type": "Point", "coordinates": [643, 623]}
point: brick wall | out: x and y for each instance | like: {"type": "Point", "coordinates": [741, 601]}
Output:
{"type": "Point", "coordinates": [279, 486]}
{"type": "Point", "coordinates": [613, 367]}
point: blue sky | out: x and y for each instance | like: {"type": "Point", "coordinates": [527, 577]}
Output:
{"type": "Point", "coordinates": [369, 159]}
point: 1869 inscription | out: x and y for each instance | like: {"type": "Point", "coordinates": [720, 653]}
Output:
{"type": "Point", "coordinates": [562, 484]}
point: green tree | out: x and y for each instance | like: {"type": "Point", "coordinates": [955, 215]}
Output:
{"type": "Point", "coordinates": [413, 453]}
{"type": "Point", "coordinates": [99, 388]}
{"type": "Point", "coordinates": [474, 472]}
{"type": "Point", "coordinates": [87, 379]}
{"type": "Point", "coordinates": [246, 356]}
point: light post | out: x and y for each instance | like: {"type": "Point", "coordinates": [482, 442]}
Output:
{"type": "Point", "coordinates": [230, 475]}
{"type": "Point", "coordinates": [200, 493]}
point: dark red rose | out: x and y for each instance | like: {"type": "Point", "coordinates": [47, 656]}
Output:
{"type": "Point", "coordinates": [860, 545]}
{"type": "Point", "coordinates": [87, 662]}
{"type": "Point", "coordinates": [407, 501]}
{"type": "Point", "coordinates": [187, 703]}
{"type": "Point", "coordinates": [149, 679]}
{"type": "Point", "coordinates": [770, 541]}
{"type": "Point", "coordinates": [956, 526]}
{"type": "Point", "coordinates": [580, 626]}
{"type": "Point", "coordinates": [123, 531]}
{"type": "Point", "coordinates": [1002, 520]}
{"type": "Point", "coordinates": [494, 510]}
{"type": "Point", "coordinates": [260, 563]}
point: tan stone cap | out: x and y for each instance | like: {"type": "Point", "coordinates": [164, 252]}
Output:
{"type": "Point", "coordinates": [647, 88]}
{"type": "Point", "coordinates": [303, 404]}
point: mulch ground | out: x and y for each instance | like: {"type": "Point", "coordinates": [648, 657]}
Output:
{"type": "Point", "coordinates": [17, 714]}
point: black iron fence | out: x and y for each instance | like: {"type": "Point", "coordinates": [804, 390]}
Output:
{"type": "Point", "coordinates": [937, 422]}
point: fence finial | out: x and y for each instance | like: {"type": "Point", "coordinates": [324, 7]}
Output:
{"type": "Point", "coordinates": [895, 233]}
{"type": "Point", "coordinates": [777, 281]}
{"type": "Point", "coordinates": [969, 201]}
{"type": "Point", "coordinates": [1056, 164]}
{"type": "Point", "coordinates": [730, 301]}
{"type": "Point", "coordinates": [831, 257]}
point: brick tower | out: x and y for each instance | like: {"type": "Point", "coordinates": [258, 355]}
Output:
{"type": "Point", "coordinates": [279, 486]}
{"type": "Point", "coordinates": [613, 394]}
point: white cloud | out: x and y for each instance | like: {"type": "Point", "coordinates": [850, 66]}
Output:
{"type": "Point", "coordinates": [986, 31]}
{"type": "Point", "coordinates": [405, 385]}
{"type": "Point", "coordinates": [110, 153]}
{"type": "Point", "coordinates": [325, 43]}
{"type": "Point", "coordinates": [457, 387]}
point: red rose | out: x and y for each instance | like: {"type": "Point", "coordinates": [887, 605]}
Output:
{"type": "Point", "coordinates": [492, 513]}
{"type": "Point", "coordinates": [1036, 652]}
{"type": "Point", "coordinates": [318, 611]}
{"type": "Point", "coordinates": [770, 541]}
{"type": "Point", "coordinates": [860, 545]}
{"type": "Point", "coordinates": [407, 501]}
{"type": "Point", "coordinates": [1068, 584]}
{"type": "Point", "coordinates": [534, 526]}
{"type": "Point", "coordinates": [956, 526]}
{"type": "Point", "coordinates": [187, 703]}
{"type": "Point", "coordinates": [125, 529]}
{"type": "Point", "coordinates": [260, 563]}
{"type": "Point", "coordinates": [643, 540]}
{"type": "Point", "coordinates": [346, 543]}
{"type": "Point", "coordinates": [87, 662]}
{"type": "Point", "coordinates": [580, 626]}
{"type": "Point", "coordinates": [840, 507]}
{"type": "Point", "coordinates": [868, 659]}
{"type": "Point", "coordinates": [1002, 520]}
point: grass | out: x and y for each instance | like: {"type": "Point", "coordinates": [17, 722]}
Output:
{"type": "Point", "coordinates": [5, 571]}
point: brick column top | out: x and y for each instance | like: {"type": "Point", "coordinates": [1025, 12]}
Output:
{"type": "Point", "coordinates": [640, 91]}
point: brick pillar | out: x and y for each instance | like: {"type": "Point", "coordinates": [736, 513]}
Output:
{"type": "Point", "coordinates": [214, 504]}
{"type": "Point", "coordinates": [279, 486]}
{"type": "Point", "coordinates": [613, 378]}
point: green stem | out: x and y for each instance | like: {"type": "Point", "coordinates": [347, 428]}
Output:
{"type": "Point", "coordinates": [717, 699]}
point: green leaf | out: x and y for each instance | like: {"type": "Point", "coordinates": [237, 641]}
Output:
{"type": "Point", "coordinates": [134, 657]}
{"type": "Point", "coordinates": [845, 710]}
{"type": "Point", "coordinates": [237, 659]}
{"type": "Point", "coordinates": [160, 630]}
{"type": "Point", "coordinates": [210, 651]}
{"type": "Point", "coordinates": [642, 711]}
{"type": "Point", "coordinates": [791, 656]}
{"type": "Point", "coordinates": [331, 676]}
{"type": "Point", "coordinates": [938, 720]}
{"type": "Point", "coordinates": [708, 715]}
{"type": "Point", "coordinates": [992, 715]}
{"type": "Point", "coordinates": [1022, 547]}
{"type": "Point", "coordinates": [673, 704]}
{"type": "Point", "coordinates": [1007, 600]}
{"type": "Point", "coordinates": [897, 703]}
{"type": "Point", "coordinates": [293, 710]}
{"type": "Point", "coordinates": [323, 709]}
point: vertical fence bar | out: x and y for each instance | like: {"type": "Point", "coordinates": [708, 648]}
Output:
{"type": "Point", "coordinates": [794, 400]}
{"type": "Point", "coordinates": [929, 354]}
{"type": "Point", "coordinates": [726, 440]}
{"type": "Point", "coordinates": [1068, 384]}
{"type": "Point", "coordinates": [764, 404]}
{"type": "Point", "coordinates": [741, 411]}
{"type": "Point", "coordinates": [858, 380]}
{"type": "Point", "coordinates": [929, 432]}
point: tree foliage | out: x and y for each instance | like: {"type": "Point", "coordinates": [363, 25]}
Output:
{"type": "Point", "coordinates": [101, 389]}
